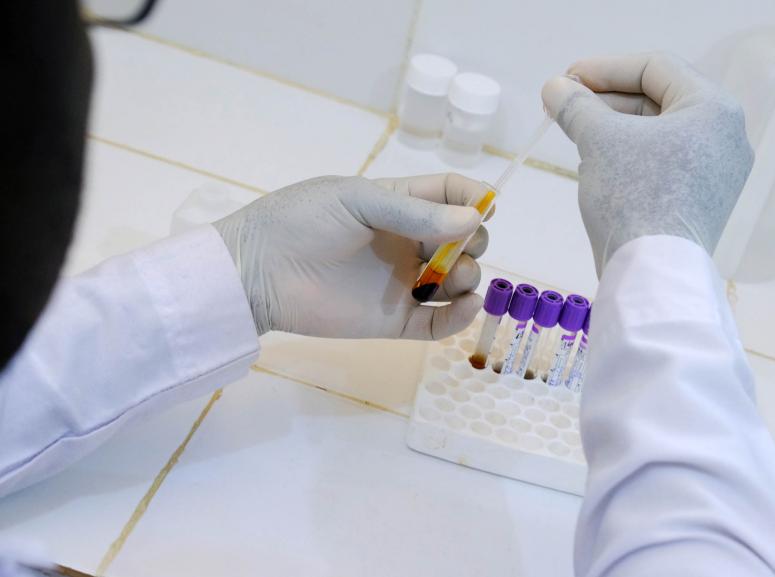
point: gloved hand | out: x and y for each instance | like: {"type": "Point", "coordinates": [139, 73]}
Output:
{"type": "Point", "coordinates": [663, 150]}
{"type": "Point", "coordinates": [337, 256]}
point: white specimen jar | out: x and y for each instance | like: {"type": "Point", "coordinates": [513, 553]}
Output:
{"type": "Point", "coordinates": [473, 101]}
{"type": "Point", "coordinates": [205, 204]}
{"type": "Point", "coordinates": [424, 100]}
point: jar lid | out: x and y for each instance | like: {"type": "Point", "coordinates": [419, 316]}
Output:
{"type": "Point", "coordinates": [475, 93]}
{"type": "Point", "coordinates": [211, 195]}
{"type": "Point", "coordinates": [430, 74]}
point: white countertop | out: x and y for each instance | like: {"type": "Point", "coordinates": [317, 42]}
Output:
{"type": "Point", "coordinates": [300, 468]}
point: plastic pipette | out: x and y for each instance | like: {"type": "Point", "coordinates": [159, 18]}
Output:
{"type": "Point", "coordinates": [447, 254]}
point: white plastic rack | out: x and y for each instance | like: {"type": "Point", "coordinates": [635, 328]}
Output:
{"type": "Point", "coordinates": [522, 429]}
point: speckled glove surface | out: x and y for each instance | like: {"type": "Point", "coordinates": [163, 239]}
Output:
{"type": "Point", "coordinates": [337, 256]}
{"type": "Point", "coordinates": [663, 150]}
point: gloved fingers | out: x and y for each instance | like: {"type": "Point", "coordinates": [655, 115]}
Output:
{"type": "Point", "coordinates": [637, 104]}
{"type": "Point", "coordinates": [463, 278]}
{"type": "Point", "coordinates": [434, 322]}
{"type": "Point", "coordinates": [574, 106]}
{"type": "Point", "coordinates": [419, 219]}
{"type": "Point", "coordinates": [447, 188]}
{"type": "Point", "coordinates": [475, 246]}
{"type": "Point", "coordinates": [663, 77]}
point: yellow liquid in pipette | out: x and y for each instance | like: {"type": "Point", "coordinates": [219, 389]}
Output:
{"type": "Point", "coordinates": [444, 258]}
{"type": "Point", "coordinates": [446, 255]}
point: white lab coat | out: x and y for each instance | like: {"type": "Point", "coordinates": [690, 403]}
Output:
{"type": "Point", "coordinates": [682, 469]}
{"type": "Point", "coordinates": [138, 333]}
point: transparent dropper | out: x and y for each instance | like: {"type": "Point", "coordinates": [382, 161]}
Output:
{"type": "Point", "coordinates": [447, 254]}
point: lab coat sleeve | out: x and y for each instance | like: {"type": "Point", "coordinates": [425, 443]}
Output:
{"type": "Point", "coordinates": [134, 335]}
{"type": "Point", "coordinates": [681, 467]}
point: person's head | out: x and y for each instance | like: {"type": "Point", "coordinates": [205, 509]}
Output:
{"type": "Point", "coordinates": [47, 67]}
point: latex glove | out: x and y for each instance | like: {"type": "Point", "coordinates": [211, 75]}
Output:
{"type": "Point", "coordinates": [337, 256]}
{"type": "Point", "coordinates": [663, 150]}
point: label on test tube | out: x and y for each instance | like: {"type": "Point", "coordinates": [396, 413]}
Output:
{"type": "Point", "coordinates": [576, 375]}
{"type": "Point", "coordinates": [530, 345]}
{"type": "Point", "coordinates": [508, 362]}
{"type": "Point", "coordinates": [496, 303]}
{"type": "Point", "coordinates": [560, 360]}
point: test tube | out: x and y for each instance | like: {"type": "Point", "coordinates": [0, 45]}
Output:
{"type": "Point", "coordinates": [447, 254]}
{"type": "Point", "coordinates": [521, 309]}
{"type": "Point", "coordinates": [575, 380]}
{"type": "Point", "coordinates": [545, 317]}
{"type": "Point", "coordinates": [572, 317]}
{"type": "Point", "coordinates": [495, 304]}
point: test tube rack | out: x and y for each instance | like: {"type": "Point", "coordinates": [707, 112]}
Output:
{"type": "Point", "coordinates": [517, 428]}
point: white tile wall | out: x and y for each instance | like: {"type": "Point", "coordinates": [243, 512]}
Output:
{"type": "Point", "coordinates": [128, 201]}
{"type": "Point", "coordinates": [355, 49]}
{"type": "Point", "coordinates": [282, 479]}
{"type": "Point", "coordinates": [221, 119]}
{"type": "Point", "coordinates": [755, 315]}
{"type": "Point", "coordinates": [346, 47]}
{"type": "Point", "coordinates": [523, 43]}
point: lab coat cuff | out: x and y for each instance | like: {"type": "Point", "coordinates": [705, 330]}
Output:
{"type": "Point", "coordinates": [198, 294]}
{"type": "Point", "coordinates": [661, 280]}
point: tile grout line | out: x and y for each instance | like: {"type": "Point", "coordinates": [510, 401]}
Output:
{"type": "Point", "coordinates": [379, 145]}
{"type": "Point", "coordinates": [409, 42]}
{"type": "Point", "coordinates": [495, 151]}
{"type": "Point", "coordinates": [252, 71]}
{"type": "Point", "coordinates": [731, 293]}
{"type": "Point", "coordinates": [385, 409]}
{"type": "Point", "coordinates": [116, 546]}
{"type": "Point", "coordinates": [764, 356]}
{"type": "Point", "coordinates": [176, 163]}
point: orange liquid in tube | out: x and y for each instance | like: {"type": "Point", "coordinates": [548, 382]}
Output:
{"type": "Point", "coordinates": [445, 257]}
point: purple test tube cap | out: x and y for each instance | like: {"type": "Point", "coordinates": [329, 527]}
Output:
{"type": "Point", "coordinates": [523, 303]}
{"type": "Point", "coordinates": [574, 313]}
{"type": "Point", "coordinates": [498, 296]}
{"type": "Point", "coordinates": [548, 309]}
